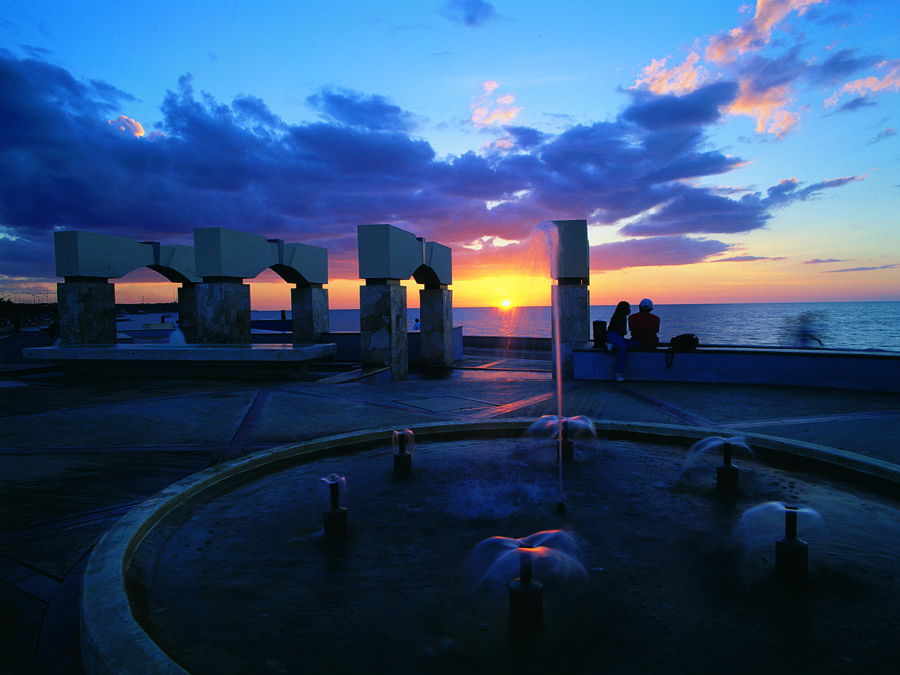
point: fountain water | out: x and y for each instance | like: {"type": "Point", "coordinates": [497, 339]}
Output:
{"type": "Point", "coordinates": [763, 523]}
{"type": "Point", "coordinates": [551, 555]}
{"type": "Point", "coordinates": [726, 473]}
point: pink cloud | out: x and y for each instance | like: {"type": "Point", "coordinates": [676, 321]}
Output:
{"type": "Point", "coordinates": [756, 33]}
{"type": "Point", "coordinates": [487, 111]}
{"type": "Point", "coordinates": [871, 84]}
{"type": "Point", "coordinates": [675, 80]}
{"type": "Point", "coordinates": [128, 125]}
{"type": "Point", "coordinates": [769, 107]}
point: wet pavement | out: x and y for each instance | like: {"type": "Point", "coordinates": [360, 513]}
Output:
{"type": "Point", "coordinates": [75, 455]}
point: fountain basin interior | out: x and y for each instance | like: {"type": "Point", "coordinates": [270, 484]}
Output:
{"type": "Point", "coordinates": [229, 572]}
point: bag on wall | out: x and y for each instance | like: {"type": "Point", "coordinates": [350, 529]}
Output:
{"type": "Point", "coordinates": [686, 342]}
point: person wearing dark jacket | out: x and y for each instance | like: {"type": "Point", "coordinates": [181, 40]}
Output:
{"type": "Point", "coordinates": [616, 340]}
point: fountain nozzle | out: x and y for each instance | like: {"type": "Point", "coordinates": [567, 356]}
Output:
{"type": "Point", "coordinates": [404, 442]}
{"type": "Point", "coordinates": [727, 474]}
{"type": "Point", "coordinates": [791, 553]}
{"type": "Point", "coordinates": [336, 517]}
{"type": "Point", "coordinates": [526, 597]}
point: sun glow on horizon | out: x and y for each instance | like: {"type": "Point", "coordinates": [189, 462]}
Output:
{"type": "Point", "coordinates": [506, 304]}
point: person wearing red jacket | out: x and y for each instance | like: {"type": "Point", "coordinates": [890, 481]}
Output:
{"type": "Point", "coordinates": [644, 326]}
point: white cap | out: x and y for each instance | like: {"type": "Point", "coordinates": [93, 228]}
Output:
{"type": "Point", "coordinates": [647, 302]}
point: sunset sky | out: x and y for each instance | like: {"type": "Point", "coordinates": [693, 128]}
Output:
{"type": "Point", "coordinates": [720, 151]}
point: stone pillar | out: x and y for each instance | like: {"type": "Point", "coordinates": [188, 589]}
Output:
{"type": "Point", "coordinates": [570, 266]}
{"type": "Point", "coordinates": [571, 299]}
{"type": "Point", "coordinates": [223, 311]}
{"type": "Point", "coordinates": [87, 311]}
{"type": "Point", "coordinates": [309, 313]}
{"type": "Point", "coordinates": [436, 318]}
{"type": "Point", "coordinates": [187, 312]}
{"type": "Point", "coordinates": [382, 323]}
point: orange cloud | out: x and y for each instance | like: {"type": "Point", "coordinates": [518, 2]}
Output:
{"type": "Point", "coordinates": [768, 107]}
{"type": "Point", "coordinates": [487, 111]}
{"type": "Point", "coordinates": [676, 80]}
{"type": "Point", "coordinates": [866, 85]}
{"type": "Point", "coordinates": [128, 125]}
{"type": "Point", "coordinates": [757, 32]}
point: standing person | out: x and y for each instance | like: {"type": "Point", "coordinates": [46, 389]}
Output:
{"type": "Point", "coordinates": [644, 325]}
{"type": "Point", "coordinates": [615, 336]}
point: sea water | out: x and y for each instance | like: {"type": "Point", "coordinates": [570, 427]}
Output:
{"type": "Point", "coordinates": [837, 325]}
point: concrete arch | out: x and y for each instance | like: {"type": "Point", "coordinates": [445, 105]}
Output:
{"type": "Point", "coordinates": [214, 303]}
{"type": "Point", "coordinates": [387, 256]}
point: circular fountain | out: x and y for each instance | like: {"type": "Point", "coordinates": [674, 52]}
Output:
{"type": "Point", "coordinates": [227, 572]}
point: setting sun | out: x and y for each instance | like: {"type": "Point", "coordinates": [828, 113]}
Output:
{"type": "Point", "coordinates": [506, 304]}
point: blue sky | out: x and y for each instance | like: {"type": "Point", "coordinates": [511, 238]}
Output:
{"type": "Point", "coordinates": [720, 151]}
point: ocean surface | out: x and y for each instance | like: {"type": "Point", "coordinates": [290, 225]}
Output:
{"type": "Point", "coordinates": [833, 325]}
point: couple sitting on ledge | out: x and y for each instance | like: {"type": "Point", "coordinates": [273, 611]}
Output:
{"type": "Point", "coordinates": [644, 328]}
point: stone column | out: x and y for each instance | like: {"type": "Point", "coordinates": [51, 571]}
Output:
{"type": "Point", "coordinates": [87, 311]}
{"type": "Point", "coordinates": [382, 323]}
{"type": "Point", "coordinates": [309, 313]}
{"type": "Point", "coordinates": [571, 299]}
{"type": "Point", "coordinates": [223, 311]}
{"type": "Point", "coordinates": [570, 266]}
{"type": "Point", "coordinates": [436, 318]}
{"type": "Point", "coordinates": [187, 312]}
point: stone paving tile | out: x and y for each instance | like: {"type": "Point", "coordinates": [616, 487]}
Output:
{"type": "Point", "coordinates": [20, 623]}
{"type": "Point", "coordinates": [140, 423]}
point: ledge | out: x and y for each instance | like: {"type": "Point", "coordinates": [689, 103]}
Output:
{"type": "Point", "coordinates": [825, 368]}
{"type": "Point", "coordinates": [216, 361]}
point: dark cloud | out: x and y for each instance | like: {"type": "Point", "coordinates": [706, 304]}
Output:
{"type": "Point", "coordinates": [525, 137]}
{"type": "Point", "coordinates": [819, 261]}
{"type": "Point", "coordinates": [853, 104]}
{"type": "Point", "coordinates": [883, 134]}
{"type": "Point", "coordinates": [747, 258]}
{"type": "Point", "coordinates": [63, 164]}
{"type": "Point", "coordinates": [374, 113]}
{"type": "Point", "coordinates": [468, 12]}
{"type": "Point", "coordinates": [861, 269]}
{"type": "Point", "coordinates": [653, 252]}
{"type": "Point", "coordinates": [700, 211]}
{"type": "Point", "coordinates": [840, 66]}
{"type": "Point", "coordinates": [700, 107]}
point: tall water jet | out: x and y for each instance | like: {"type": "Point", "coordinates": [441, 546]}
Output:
{"type": "Point", "coordinates": [567, 243]}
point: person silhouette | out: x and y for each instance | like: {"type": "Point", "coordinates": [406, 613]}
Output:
{"type": "Point", "coordinates": [615, 336]}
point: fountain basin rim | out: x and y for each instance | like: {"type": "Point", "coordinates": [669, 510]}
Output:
{"type": "Point", "coordinates": [112, 641]}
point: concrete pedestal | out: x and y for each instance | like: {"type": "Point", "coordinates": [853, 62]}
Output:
{"type": "Point", "coordinates": [436, 330]}
{"type": "Point", "coordinates": [572, 299]}
{"type": "Point", "coordinates": [382, 322]}
{"type": "Point", "coordinates": [87, 312]}
{"type": "Point", "coordinates": [187, 312]}
{"type": "Point", "coordinates": [309, 312]}
{"type": "Point", "coordinates": [223, 312]}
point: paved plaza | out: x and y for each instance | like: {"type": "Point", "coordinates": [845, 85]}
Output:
{"type": "Point", "coordinates": [75, 455]}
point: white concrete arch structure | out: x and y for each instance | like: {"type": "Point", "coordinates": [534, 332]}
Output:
{"type": "Point", "coordinates": [225, 257]}
{"type": "Point", "coordinates": [214, 303]}
{"type": "Point", "coordinates": [87, 261]}
{"type": "Point", "coordinates": [387, 256]}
